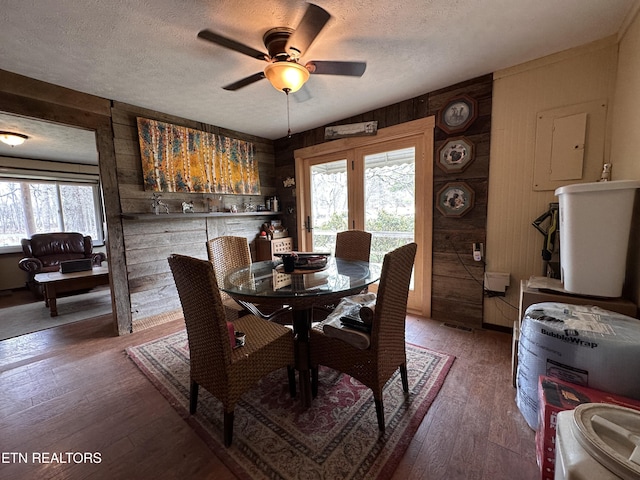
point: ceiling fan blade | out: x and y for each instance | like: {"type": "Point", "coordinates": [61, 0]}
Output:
{"type": "Point", "coordinates": [232, 44]}
{"type": "Point", "coordinates": [314, 19]}
{"type": "Point", "coordinates": [354, 69]}
{"type": "Point", "coordinates": [244, 82]}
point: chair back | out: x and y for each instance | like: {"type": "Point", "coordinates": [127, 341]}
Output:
{"type": "Point", "coordinates": [387, 335]}
{"type": "Point", "coordinates": [353, 245]}
{"type": "Point", "coordinates": [204, 316]}
{"type": "Point", "coordinates": [228, 253]}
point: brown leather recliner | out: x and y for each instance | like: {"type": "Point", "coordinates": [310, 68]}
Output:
{"type": "Point", "coordinates": [44, 252]}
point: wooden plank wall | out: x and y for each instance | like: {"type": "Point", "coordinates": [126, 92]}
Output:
{"type": "Point", "coordinates": [148, 241]}
{"type": "Point", "coordinates": [457, 287]}
{"type": "Point", "coordinates": [457, 293]}
{"type": "Point", "coordinates": [138, 248]}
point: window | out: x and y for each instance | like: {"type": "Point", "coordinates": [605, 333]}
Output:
{"type": "Point", "coordinates": [40, 206]}
{"type": "Point", "coordinates": [389, 200]}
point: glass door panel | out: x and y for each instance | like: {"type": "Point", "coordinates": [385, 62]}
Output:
{"type": "Point", "coordinates": [329, 204]}
{"type": "Point", "coordinates": [389, 200]}
{"type": "Point", "coordinates": [391, 197]}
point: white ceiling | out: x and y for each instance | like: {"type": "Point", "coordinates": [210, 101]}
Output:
{"type": "Point", "coordinates": [49, 141]}
{"type": "Point", "coordinates": [146, 52]}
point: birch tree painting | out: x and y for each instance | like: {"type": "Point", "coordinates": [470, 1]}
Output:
{"type": "Point", "coordinates": [181, 159]}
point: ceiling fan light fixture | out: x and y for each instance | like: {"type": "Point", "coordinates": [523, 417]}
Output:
{"type": "Point", "coordinates": [286, 76]}
{"type": "Point", "coordinates": [12, 139]}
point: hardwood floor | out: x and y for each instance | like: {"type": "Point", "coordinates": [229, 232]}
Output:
{"type": "Point", "coordinates": [73, 389]}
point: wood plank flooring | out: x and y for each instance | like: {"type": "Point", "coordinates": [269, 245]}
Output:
{"type": "Point", "coordinates": [73, 389]}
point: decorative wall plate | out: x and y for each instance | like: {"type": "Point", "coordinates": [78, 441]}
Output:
{"type": "Point", "coordinates": [457, 114]}
{"type": "Point", "coordinates": [456, 154]}
{"type": "Point", "coordinates": [455, 199]}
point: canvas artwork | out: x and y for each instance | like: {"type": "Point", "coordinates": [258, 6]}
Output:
{"type": "Point", "coordinates": [181, 159]}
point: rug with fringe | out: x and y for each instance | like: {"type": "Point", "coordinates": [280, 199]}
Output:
{"type": "Point", "coordinates": [273, 438]}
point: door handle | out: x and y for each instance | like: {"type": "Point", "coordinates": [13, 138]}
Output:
{"type": "Point", "coordinates": [307, 224]}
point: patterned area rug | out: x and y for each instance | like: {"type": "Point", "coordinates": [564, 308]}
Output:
{"type": "Point", "coordinates": [273, 438]}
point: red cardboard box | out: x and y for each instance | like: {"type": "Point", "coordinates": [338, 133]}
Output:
{"type": "Point", "coordinates": [555, 396]}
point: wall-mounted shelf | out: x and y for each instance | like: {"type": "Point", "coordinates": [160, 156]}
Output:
{"type": "Point", "coordinates": [173, 216]}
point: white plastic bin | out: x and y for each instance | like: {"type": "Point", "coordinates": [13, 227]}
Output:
{"type": "Point", "coordinates": [597, 441]}
{"type": "Point", "coordinates": [595, 222]}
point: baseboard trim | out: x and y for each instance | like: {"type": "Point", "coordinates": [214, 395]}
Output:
{"type": "Point", "coordinates": [497, 328]}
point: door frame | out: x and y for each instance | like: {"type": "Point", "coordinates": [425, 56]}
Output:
{"type": "Point", "coordinates": [424, 130]}
{"type": "Point", "coordinates": [27, 97]}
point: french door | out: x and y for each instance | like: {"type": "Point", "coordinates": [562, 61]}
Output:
{"type": "Point", "coordinates": [380, 184]}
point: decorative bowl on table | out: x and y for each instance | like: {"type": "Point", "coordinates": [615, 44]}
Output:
{"type": "Point", "coordinates": [307, 260]}
{"type": "Point", "coordinates": [311, 261]}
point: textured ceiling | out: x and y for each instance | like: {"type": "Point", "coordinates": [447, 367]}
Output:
{"type": "Point", "coordinates": [146, 52]}
{"type": "Point", "coordinates": [49, 141]}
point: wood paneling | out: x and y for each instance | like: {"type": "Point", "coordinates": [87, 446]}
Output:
{"type": "Point", "coordinates": [137, 250]}
{"type": "Point", "coordinates": [139, 273]}
{"type": "Point", "coordinates": [448, 233]}
{"type": "Point", "coordinates": [625, 123]}
{"type": "Point", "coordinates": [134, 199]}
{"type": "Point", "coordinates": [570, 77]}
{"type": "Point", "coordinates": [38, 91]}
{"type": "Point", "coordinates": [458, 292]}
{"type": "Point", "coordinates": [148, 243]}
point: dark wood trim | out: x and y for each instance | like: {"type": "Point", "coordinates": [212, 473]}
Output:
{"type": "Point", "coordinates": [30, 88]}
{"type": "Point", "coordinates": [51, 112]}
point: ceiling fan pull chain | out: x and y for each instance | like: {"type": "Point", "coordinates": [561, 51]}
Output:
{"type": "Point", "coordinates": [286, 91]}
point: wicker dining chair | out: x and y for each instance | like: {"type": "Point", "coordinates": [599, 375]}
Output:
{"type": "Point", "coordinates": [224, 371]}
{"type": "Point", "coordinates": [227, 253]}
{"type": "Point", "coordinates": [350, 245]}
{"type": "Point", "coordinates": [374, 366]}
{"type": "Point", "coordinates": [353, 245]}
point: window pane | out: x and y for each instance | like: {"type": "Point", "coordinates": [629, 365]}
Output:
{"type": "Point", "coordinates": [78, 209]}
{"type": "Point", "coordinates": [329, 203]}
{"type": "Point", "coordinates": [12, 216]}
{"type": "Point", "coordinates": [390, 200]}
{"type": "Point", "coordinates": [44, 199]}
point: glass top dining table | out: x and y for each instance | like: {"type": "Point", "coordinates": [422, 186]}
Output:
{"type": "Point", "coordinates": [266, 283]}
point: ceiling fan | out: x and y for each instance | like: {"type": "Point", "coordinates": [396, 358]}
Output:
{"type": "Point", "coordinates": [285, 46]}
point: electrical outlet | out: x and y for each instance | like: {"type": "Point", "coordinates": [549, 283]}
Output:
{"type": "Point", "coordinates": [477, 252]}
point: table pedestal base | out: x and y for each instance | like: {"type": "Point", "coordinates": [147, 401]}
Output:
{"type": "Point", "coordinates": [301, 327]}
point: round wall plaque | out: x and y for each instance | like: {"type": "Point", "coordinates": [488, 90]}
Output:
{"type": "Point", "coordinates": [457, 114]}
